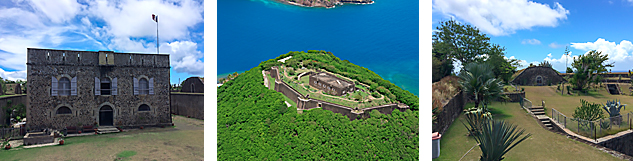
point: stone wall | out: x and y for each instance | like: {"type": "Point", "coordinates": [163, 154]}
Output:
{"type": "Point", "coordinates": [43, 64]}
{"type": "Point", "coordinates": [529, 76]}
{"type": "Point", "coordinates": [188, 104]}
{"type": "Point", "coordinates": [15, 100]}
{"type": "Point", "coordinates": [309, 103]}
{"type": "Point", "coordinates": [449, 113]}
{"type": "Point", "coordinates": [192, 85]}
{"type": "Point", "coordinates": [620, 144]}
{"type": "Point", "coordinates": [514, 96]}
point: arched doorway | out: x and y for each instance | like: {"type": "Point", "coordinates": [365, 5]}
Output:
{"type": "Point", "coordinates": [539, 80]}
{"type": "Point", "coordinates": [106, 116]}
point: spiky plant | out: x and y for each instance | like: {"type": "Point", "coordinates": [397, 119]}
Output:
{"type": "Point", "coordinates": [478, 80]}
{"type": "Point", "coordinates": [613, 109]}
{"type": "Point", "coordinates": [497, 138]}
{"type": "Point", "coordinates": [475, 117]}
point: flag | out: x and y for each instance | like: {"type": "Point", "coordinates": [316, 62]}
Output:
{"type": "Point", "coordinates": [155, 18]}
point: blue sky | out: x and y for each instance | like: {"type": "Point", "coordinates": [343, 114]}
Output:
{"type": "Point", "coordinates": [533, 31]}
{"type": "Point", "coordinates": [116, 25]}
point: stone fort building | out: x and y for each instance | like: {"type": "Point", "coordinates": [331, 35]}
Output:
{"type": "Point", "coordinates": [75, 88]}
{"type": "Point", "coordinates": [331, 84]}
{"type": "Point", "coordinates": [537, 76]}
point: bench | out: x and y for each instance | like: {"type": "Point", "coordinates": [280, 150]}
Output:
{"type": "Point", "coordinates": [71, 129]}
{"type": "Point", "coordinates": [88, 129]}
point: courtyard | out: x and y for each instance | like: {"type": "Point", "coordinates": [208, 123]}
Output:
{"type": "Point", "coordinates": [184, 141]}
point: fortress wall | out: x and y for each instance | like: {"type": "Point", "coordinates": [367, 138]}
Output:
{"type": "Point", "coordinates": [188, 104]}
{"type": "Point", "coordinates": [449, 112]}
{"type": "Point", "coordinates": [15, 100]}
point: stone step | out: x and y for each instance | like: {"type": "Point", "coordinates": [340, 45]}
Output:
{"type": "Point", "coordinates": [106, 130]}
{"type": "Point", "coordinates": [545, 121]}
{"type": "Point", "coordinates": [539, 113]}
{"type": "Point", "coordinates": [548, 125]}
{"type": "Point", "coordinates": [536, 107]}
{"type": "Point", "coordinates": [538, 110]}
{"type": "Point", "coordinates": [542, 117]}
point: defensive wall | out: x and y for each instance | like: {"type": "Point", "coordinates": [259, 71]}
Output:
{"type": "Point", "coordinates": [188, 104]}
{"type": "Point", "coordinates": [304, 103]}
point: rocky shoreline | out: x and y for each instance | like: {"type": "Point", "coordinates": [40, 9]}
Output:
{"type": "Point", "coordinates": [324, 3]}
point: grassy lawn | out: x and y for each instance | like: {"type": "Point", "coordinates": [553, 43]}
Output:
{"type": "Point", "coordinates": [542, 145]}
{"type": "Point", "coordinates": [292, 103]}
{"type": "Point", "coordinates": [183, 142]}
{"type": "Point", "coordinates": [271, 82]}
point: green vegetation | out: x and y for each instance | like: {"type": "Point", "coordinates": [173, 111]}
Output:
{"type": "Point", "coordinates": [542, 145]}
{"type": "Point", "coordinates": [588, 111]}
{"type": "Point", "coordinates": [613, 109]}
{"type": "Point", "coordinates": [126, 154]}
{"type": "Point", "coordinates": [587, 68]}
{"type": "Point", "coordinates": [478, 80]}
{"type": "Point", "coordinates": [327, 61]}
{"type": "Point", "coordinates": [497, 138]}
{"type": "Point", "coordinates": [251, 125]}
{"type": "Point", "coordinates": [456, 42]}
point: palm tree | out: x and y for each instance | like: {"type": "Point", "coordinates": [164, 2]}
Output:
{"type": "Point", "coordinates": [477, 79]}
{"type": "Point", "coordinates": [497, 137]}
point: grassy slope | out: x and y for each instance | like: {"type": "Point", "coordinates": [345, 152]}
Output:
{"type": "Point", "coordinates": [542, 145]}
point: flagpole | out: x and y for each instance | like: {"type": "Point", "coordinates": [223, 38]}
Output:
{"type": "Point", "coordinates": [157, 45]}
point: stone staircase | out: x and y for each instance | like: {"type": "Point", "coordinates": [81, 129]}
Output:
{"type": "Point", "coordinates": [107, 129]}
{"type": "Point", "coordinates": [539, 113]}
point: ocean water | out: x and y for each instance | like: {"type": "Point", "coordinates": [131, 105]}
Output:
{"type": "Point", "coordinates": [382, 37]}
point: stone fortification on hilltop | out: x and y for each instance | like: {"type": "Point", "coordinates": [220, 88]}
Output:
{"type": "Point", "coordinates": [325, 3]}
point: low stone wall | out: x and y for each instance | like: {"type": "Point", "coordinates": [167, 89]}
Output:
{"type": "Point", "coordinates": [449, 113]}
{"type": "Point", "coordinates": [514, 96]}
{"type": "Point", "coordinates": [620, 144]}
{"type": "Point", "coordinates": [288, 91]}
{"type": "Point", "coordinates": [15, 100]}
{"type": "Point", "coordinates": [188, 104]}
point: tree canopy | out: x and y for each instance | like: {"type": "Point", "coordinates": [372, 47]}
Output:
{"type": "Point", "coordinates": [587, 67]}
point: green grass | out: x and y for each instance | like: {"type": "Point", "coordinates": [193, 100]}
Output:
{"type": "Point", "coordinates": [148, 144]}
{"type": "Point", "coordinates": [542, 145]}
{"type": "Point", "coordinates": [292, 103]}
{"type": "Point", "coordinates": [271, 82]}
{"type": "Point", "coordinates": [566, 104]}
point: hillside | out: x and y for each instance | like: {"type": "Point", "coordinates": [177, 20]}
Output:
{"type": "Point", "coordinates": [254, 122]}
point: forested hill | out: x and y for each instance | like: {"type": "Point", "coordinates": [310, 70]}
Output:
{"type": "Point", "coordinates": [255, 124]}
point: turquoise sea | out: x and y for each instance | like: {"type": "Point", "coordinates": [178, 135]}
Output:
{"type": "Point", "coordinates": [382, 37]}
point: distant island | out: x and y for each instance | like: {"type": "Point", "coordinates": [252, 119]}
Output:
{"type": "Point", "coordinates": [324, 3]}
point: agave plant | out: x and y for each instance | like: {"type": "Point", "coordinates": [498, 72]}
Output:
{"type": "Point", "coordinates": [475, 117]}
{"type": "Point", "coordinates": [497, 138]}
{"type": "Point", "coordinates": [613, 108]}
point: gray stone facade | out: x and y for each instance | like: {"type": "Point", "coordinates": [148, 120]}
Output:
{"type": "Point", "coordinates": [102, 87]}
{"type": "Point", "coordinates": [331, 84]}
{"type": "Point", "coordinates": [537, 76]}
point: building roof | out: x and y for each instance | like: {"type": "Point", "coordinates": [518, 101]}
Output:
{"type": "Point", "coordinates": [331, 80]}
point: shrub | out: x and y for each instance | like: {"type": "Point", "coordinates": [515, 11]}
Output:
{"type": "Point", "coordinates": [588, 111]}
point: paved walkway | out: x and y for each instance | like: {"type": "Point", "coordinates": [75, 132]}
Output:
{"type": "Point", "coordinates": [265, 79]}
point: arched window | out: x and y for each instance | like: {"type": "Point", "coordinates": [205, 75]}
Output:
{"type": "Point", "coordinates": [64, 86]}
{"type": "Point", "coordinates": [143, 107]}
{"type": "Point", "coordinates": [63, 110]}
{"type": "Point", "coordinates": [106, 86]}
{"type": "Point", "coordinates": [143, 86]}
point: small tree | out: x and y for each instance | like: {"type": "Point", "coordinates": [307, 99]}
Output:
{"type": "Point", "coordinates": [475, 117]}
{"type": "Point", "coordinates": [588, 111]}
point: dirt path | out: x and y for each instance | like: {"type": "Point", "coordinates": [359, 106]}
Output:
{"type": "Point", "coordinates": [265, 79]}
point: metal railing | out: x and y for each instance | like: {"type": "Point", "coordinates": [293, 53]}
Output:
{"type": "Point", "coordinates": [594, 129]}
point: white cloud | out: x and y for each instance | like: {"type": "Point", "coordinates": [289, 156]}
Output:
{"type": "Point", "coordinates": [122, 25]}
{"type": "Point", "coordinates": [132, 18]}
{"type": "Point", "coordinates": [15, 75]}
{"type": "Point", "coordinates": [531, 41]}
{"type": "Point", "coordinates": [621, 53]}
{"type": "Point", "coordinates": [57, 11]}
{"type": "Point", "coordinates": [502, 17]}
{"type": "Point", "coordinates": [559, 63]}
{"type": "Point", "coordinates": [555, 45]}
